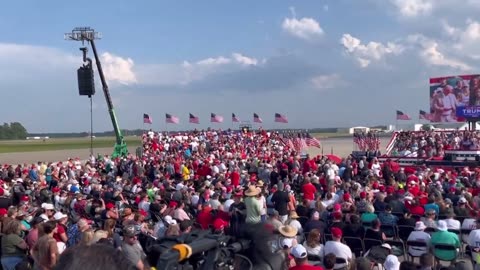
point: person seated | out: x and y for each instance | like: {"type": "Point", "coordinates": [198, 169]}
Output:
{"type": "Point", "coordinates": [444, 237]}
{"type": "Point", "coordinates": [387, 218]}
{"type": "Point", "coordinates": [374, 232]}
{"type": "Point", "coordinates": [429, 219]}
{"type": "Point", "coordinates": [312, 244]}
{"type": "Point", "coordinates": [336, 247]}
{"type": "Point", "coordinates": [369, 215]}
{"type": "Point", "coordinates": [419, 235]}
{"type": "Point", "coordinates": [452, 223]}
{"type": "Point", "coordinates": [354, 228]}
{"type": "Point", "coordinates": [407, 219]}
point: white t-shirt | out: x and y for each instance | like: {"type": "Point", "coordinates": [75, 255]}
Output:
{"type": "Point", "coordinates": [339, 249]}
{"type": "Point", "coordinates": [452, 224]}
{"type": "Point", "coordinates": [376, 168]}
{"type": "Point", "coordinates": [474, 238]}
{"type": "Point", "coordinates": [419, 236]}
{"type": "Point", "coordinates": [469, 224]}
{"type": "Point", "coordinates": [296, 224]}
{"type": "Point", "coordinates": [318, 250]}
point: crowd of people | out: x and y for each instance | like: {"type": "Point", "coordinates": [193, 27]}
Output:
{"type": "Point", "coordinates": [428, 144]}
{"type": "Point", "coordinates": [317, 214]}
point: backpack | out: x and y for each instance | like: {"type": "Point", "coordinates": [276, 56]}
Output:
{"type": "Point", "coordinates": [378, 254]}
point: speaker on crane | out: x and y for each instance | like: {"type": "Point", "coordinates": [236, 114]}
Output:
{"type": "Point", "coordinates": [86, 83]}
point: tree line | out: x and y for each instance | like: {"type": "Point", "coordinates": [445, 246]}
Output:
{"type": "Point", "coordinates": [13, 131]}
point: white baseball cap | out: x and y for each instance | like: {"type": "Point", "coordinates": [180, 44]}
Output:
{"type": "Point", "coordinates": [287, 243]}
{"type": "Point", "coordinates": [299, 252]}
{"type": "Point", "coordinates": [59, 215]}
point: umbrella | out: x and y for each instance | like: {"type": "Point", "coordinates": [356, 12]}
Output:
{"type": "Point", "coordinates": [334, 158]}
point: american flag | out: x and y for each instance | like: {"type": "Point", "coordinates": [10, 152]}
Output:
{"type": "Point", "coordinates": [424, 115]}
{"type": "Point", "coordinates": [257, 119]}
{"type": "Point", "coordinates": [312, 141]}
{"type": "Point", "coordinates": [403, 116]}
{"type": "Point", "coordinates": [193, 119]}
{"type": "Point", "coordinates": [234, 118]}
{"type": "Point", "coordinates": [280, 118]}
{"type": "Point", "coordinates": [170, 119]}
{"type": "Point", "coordinates": [147, 119]}
{"type": "Point", "coordinates": [216, 118]}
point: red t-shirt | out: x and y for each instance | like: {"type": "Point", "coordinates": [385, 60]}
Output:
{"type": "Point", "coordinates": [309, 191]}
{"type": "Point", "coordinates": [305, 267]}
{"type": "Point", "coordinates": [235, 179]}
{"type": "Point", "coordinates": [60, 230]}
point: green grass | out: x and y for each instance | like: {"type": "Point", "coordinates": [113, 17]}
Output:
{"type": "Point", "coordinates": [62, 144]}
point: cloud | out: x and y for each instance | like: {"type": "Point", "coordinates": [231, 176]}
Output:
{"type": "Point", "coordinates": [365, 54]}
{"type": "Point", "coordinates": [325, 8]}
{"type": "Point", "coordinates": [330, 81]}
{"type": "Point", "coordinates": [413, 8]}
{"type": "Point", "coordinates": [244, 60]}
{"type": "Point", "coordinates": [304, 28]}
{"type": "Point", "coordinates": [118, 69]}
{"type": "Point", "coordinates": [465, 40]}
{"type": "Point", "coordinates": [431, 53]}
{"type": "Point", "coordinates": [214, 61]}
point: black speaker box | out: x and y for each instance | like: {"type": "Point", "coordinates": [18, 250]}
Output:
{"type": "Point", "coordinates": [86, 82]}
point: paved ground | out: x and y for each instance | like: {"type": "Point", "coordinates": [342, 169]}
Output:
{"type": "Point", "coordinates": [339, 146]}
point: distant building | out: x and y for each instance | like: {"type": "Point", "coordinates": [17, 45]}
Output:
{"type": "Point", "coordinates": [353, 130]}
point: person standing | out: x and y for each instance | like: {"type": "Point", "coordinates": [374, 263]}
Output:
{"type": "Point", "coordinates": [45, 252]}
{"type": "Point", "coordinates": [280, 201]}
{"type": "Point", "coordinates": [253, 205]}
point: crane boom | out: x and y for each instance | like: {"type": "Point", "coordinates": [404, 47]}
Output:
{"type": "Point", "coordinates": [120, 145]}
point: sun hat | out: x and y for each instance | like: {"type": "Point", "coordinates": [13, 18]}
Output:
{"type": "Point", "coordinates": [252, 191]}
{"type": "Point", "coordinates": [442, 226]}
{"type": "Point", "coordinates": [420, 226]}
{"type": "Point", "coordinates": [294, 215]}
{"type": "Point", "coordinates": [288, 231]}
{"type": "Point", "coordinates": [129, 231]}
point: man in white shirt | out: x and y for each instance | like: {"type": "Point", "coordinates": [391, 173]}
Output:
{"type": "Point", "coordinates": [337, 247]}
{"type": "Point", "coordinates": [474, 243]}
{"type": "Point", "coordinates": [419, 235]}
{"type": "Point", "coordinates": [452, 224]}
{"type": "Point", "coordinates": [468, 224]}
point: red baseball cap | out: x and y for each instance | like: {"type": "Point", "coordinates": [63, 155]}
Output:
{"type": "Point", "coordinates": [336, 232]}
{"type": "Point", "coordinates": [219, 224]}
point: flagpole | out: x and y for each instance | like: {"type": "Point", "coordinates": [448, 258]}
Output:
{"type": "Point", "coordinates": [396, 121]}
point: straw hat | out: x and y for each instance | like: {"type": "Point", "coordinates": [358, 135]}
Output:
{"type": "Point", "coordinates": [260, 183]}
{"type": "Point", "coordinates": [288, 231]}
{"type": "Point", "coordinates": [294, 214]}
{"type": "Point", "coordinates": [252, 191]}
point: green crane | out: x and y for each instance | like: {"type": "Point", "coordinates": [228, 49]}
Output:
{"type": "Point", "coordinates": [87, 34]}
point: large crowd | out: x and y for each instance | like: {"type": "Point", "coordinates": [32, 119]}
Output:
{"type": "Point", "coordinates": [428, 144]}
{"type": "Point", "coordinates": [316, 213]}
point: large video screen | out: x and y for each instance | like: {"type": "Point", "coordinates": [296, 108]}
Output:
{"type": "Point", "coordinates": [455, 98]}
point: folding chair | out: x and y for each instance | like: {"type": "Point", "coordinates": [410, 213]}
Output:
{"type": "Point", "coordinates": [404, 232]}
{"type": "Point", "coordinates": [389, 230]}
{"type": "Point", "coordinates": [314, 259]}
{"type": "Point", "coordinates": [399, 244]}
{"type": "Point", "coordinates": [355, 244]}
{"type": "Point", "coordinates": [445, 247]}
{"type": "Point", "coordinates": [341, 261]}
{"type": "Point", "coordinates": [430, 230]}
{"type": "Point", "coordinates": [416, 245]}
{"type": "Point", "coordinates": [368, 243]}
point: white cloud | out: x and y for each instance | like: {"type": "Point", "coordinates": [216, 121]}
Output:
{"type": "Point", "coordinates": [413, 8]}
{"type": "Point", "coordinates": [214, 61]}
{"type": "Point", "coordinates": [118, 69]}
{"type": "Point", "coordinates": [244, 60]}
{"type": "Point", "coordinates": [305, 28]}
{"type": "Point", "coordinates": [364, 54]}
{"type": "Point", "coordinates": [330, 81]}
{"type": "Point", "coordinates": [190, 71]}
{"type": "Point", "coordinates": [431, 53]}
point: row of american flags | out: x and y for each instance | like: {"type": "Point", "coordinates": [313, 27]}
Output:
{"type": "Point", "coordinates": [300, 141]}
{"type": "Point", "coordinates": [421, 115]}
{"type": "Point", "coordinates": [214, 118]}
{"type": "Point", "coordinates": [367, 141]}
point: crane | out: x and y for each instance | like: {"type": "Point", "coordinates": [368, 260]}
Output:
{"type": "Point", "coordinates": [87, 34]}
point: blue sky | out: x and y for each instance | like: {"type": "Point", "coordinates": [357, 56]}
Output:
{"type": "Point", "coordinates": [322, 63]}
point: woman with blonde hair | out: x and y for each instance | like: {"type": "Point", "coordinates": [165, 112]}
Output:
{"type": "Point", "coordinates": [312, 244]}
{"type": "Point", "coordinates": [87, 237]}
{"type": "Point", "coordinates": [173, 230]}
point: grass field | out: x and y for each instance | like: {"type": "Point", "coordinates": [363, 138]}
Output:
{"type": "Point", "coordinates": [62, 144]}
{"type": "Point", "coordinates": [330, 135]}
